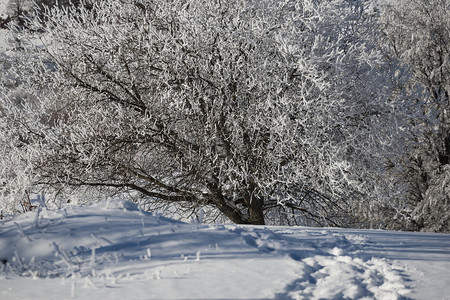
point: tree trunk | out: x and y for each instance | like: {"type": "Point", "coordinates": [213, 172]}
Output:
{"type": "Point", "coordinates": [255, 209]}
{"type": "Point", "coordinates": [254, 205]}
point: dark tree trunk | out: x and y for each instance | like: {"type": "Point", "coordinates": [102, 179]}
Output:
{"type": "Point", "coordinates": [254, 205]}
{"type": "Point", "coordinates": [255, 209]}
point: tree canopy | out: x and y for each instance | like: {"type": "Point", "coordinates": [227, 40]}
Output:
{"type": "Point", "coordinates": [280, 112]}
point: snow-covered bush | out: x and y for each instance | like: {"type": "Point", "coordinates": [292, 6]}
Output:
{"type": "Point", "coordinates": [266, 110]}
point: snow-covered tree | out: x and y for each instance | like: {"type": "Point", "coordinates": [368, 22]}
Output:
{"type": "Point", "coordinates": [15, 171]}
{"type": "Point", "coordinates": [417, 33]}
{"type": "Point", "coordinates": [265, 110]}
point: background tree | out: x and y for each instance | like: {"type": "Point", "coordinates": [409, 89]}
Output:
{"type": "Point", "coordinates": [260, 109]}
{"type": "Point", "coordinates": [417, 33]}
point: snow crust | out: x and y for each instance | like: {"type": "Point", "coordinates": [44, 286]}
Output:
{"type": "Point", "coordinates": [114, 250]}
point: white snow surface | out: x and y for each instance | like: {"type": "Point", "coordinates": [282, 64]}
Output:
{"type": "Point", "coordinates": [112, 250]}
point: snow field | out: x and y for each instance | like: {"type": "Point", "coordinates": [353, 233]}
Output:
{"type": "Point", "coordinates": [114, 250]}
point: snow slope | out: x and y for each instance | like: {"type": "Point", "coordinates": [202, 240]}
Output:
{"type": "Point", "coordinates": [115, 251]}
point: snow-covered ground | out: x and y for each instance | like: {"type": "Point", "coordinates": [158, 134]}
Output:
{"type": "Point", "coordinates": [114, 251]}
{"type": "Point", "coordinates": [3, 32]}
{"type": "Point", "coordinates": [3, 5]}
